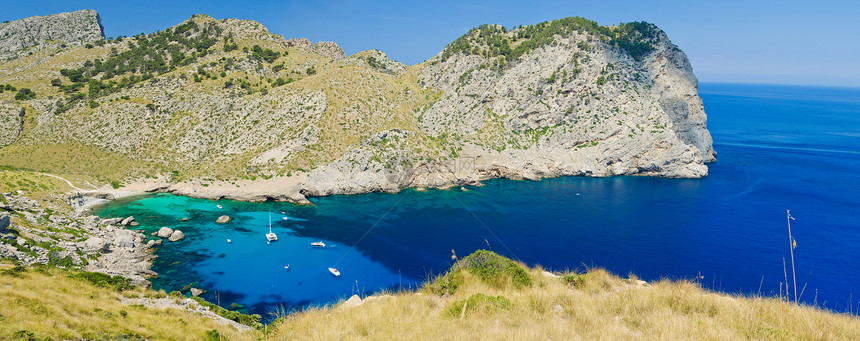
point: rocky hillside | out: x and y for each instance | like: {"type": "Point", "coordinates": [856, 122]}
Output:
{"type": "Point", "coordinates": [210, 106]}
{"type": "Point", "coordinates": [25, 36]}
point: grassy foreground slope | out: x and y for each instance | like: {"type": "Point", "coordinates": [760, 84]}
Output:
{"type": "Point", "coordinates": [596, 305]}
{"type": "Point", "coordinates": [45, 303]}
{"type": "Point", "coordinates": [484, 296]}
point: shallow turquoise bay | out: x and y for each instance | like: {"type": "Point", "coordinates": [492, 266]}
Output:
{"type": "Point", "coordinates": [779, 148]}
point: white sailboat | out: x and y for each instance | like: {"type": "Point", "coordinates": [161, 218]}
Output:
{"type": "Point", "coordinates": [271, 236]}
{"type": "Point", "coordinates": [318, 244]}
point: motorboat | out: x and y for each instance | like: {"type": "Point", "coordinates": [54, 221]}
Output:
{"type": "Point", "coordinates": [318, 244]}
{"type": "Point", "coordinates": [334, 272]}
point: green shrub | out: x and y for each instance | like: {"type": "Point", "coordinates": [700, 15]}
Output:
{"type": "Point", "coordinates": [104, 280]}
{"type": "Point", "coordinates": [574, 279]}
{"type": "Point", "coordinates": [25, 94]}
{"type": "Point", "coordinates": [478, 303]}
{"type": "Point", "coordinates": [14, 271]}
{"type": "Point", "coordinates": [248, 320]}
{"type": "Point", "coordinates": [489, 267]}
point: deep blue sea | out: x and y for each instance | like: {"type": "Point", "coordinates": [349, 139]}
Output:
{"type": "Point", "coordinates": [779, 148]}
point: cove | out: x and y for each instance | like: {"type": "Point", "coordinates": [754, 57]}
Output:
{"type": "Point", "coordinates": [778, 147]}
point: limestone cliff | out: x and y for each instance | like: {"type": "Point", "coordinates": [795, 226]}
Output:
{"type": "Point", "coordinates": [70, 28]}
{"type": "Point", "coordinates": [209, 105]}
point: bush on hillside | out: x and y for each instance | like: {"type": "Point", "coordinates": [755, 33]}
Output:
{"type": "Point", "coordinates": [491, 268]}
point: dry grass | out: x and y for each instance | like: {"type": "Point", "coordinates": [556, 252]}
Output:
{"type": "Point", "coordinates": [49, 304]}
{"type": "Point", "coordinates": [594, 305]}
{"type": "Point", "coordinates": [600, 306]}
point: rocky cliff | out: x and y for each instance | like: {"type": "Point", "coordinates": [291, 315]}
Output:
{"type": "Point", "coordinates": [213, 108]}
{"type": "Point", "coordinates": [24, 36]}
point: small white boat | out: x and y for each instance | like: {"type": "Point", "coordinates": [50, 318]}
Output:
{"type": "Point", "coordinates": [286, 218]}
{"type": "Point", "coordinates": [219, 207]}
{"type": "Point", "coordinates": [271, 236]}
{"type": "Point", "coordinates": [229, 241]}
{"type": "Point", "coordinates": [287, 267]}
{"type": "Point", "coordinates": [318, 244]}
{"type": "Point", "coordinates": [334, 272]}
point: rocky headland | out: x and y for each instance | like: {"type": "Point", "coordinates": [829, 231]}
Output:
{"type": "Point", "coordinates": [225, 109]}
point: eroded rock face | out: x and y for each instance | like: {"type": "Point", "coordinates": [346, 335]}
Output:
{"type": "Point", "coordinates": [70, 28]}
{"type": "Point", "coordinates": [4, 221]}
{"type": "Point", "coordinates": [329, 49]}
{"type": "Point", "coordinates": [11, 122]}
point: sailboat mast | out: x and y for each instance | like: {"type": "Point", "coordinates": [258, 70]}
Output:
{"type": "Point", "coordinates": [270, 222]}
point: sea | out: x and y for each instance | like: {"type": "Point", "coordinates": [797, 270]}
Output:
{"type": "Point", "coordinates": [780, 149]}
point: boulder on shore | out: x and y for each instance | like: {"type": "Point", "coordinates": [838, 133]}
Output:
{"type": "Point", "coordinates": [176, 236]}
{"type": "Point", "coordinates": [223, 219]}
{"type": "Point", "coordinates": [124, 238]}
{"type": "Point", "coordinates": [127, 221]}
{"type": "Point", "coordinates": [4, 221]}
{"type": "Point", "coordinates": [197, 292]}
{"type": "Point", "coordinates": [111, 221]}
{"type": "Point", "coordinates": [165, 232]}
{"type": "Point", "coordinates": [97, 244]}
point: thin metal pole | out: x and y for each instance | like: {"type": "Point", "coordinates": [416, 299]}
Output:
{"type": "Point", "coordinates": [791, 247]}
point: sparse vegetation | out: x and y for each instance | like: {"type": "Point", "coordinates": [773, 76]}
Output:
{"type": "Point", "coordinates": [494, 41]}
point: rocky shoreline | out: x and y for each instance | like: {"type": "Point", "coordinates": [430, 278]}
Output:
{"type": "Point", "coordinates": [33, 233]}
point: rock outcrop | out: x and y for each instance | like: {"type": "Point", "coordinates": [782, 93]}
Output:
{"type": "Point", "coordinates": [70, 28]}
{"type": "Point", "coordinates": [223, 219]}
{"type": "Point", "coordinates": [11, 123]}
{"type": "Point", "coordinates": [164, 232]}
{"type": "Point", "coordinates": [258, 117]}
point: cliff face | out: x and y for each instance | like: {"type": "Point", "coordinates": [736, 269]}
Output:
{"type": "Point", "coordinates": [222, 102]}
{"type": "Point", "coordinates": [588, 107]}
{"type": "Point", "coordinates": [70, 28]}
{"type": "Point", "coordinates": [576, 104]}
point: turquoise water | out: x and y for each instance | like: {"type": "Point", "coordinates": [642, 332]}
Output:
{"type": "Point", "coordinates": [779, 148]}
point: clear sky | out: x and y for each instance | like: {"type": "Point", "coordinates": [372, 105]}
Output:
{"type": "Point", "coordinates": [776, 42]}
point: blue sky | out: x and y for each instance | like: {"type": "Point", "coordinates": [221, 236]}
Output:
{"type": "Point", "coordinates": [776, 42]}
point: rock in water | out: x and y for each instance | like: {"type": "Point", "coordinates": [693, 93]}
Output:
{"type": "Point", "coordinates": [223, 219]}
{"type": "Point", "coordinates": [176, 236]}
{"type": "Point", "coordinates": [127, 221]}
{"type": "Point", "coordinates": [165, 232]}
{"type": "Point", "coordinates": [184, 219]}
